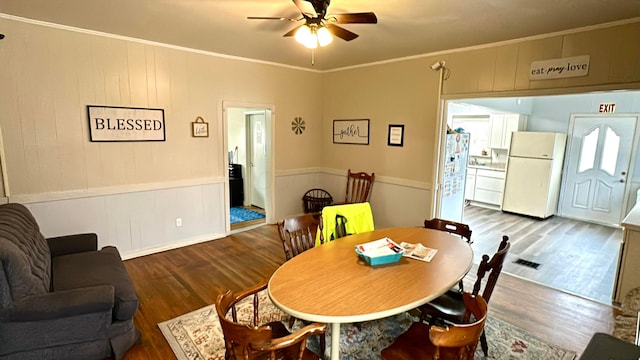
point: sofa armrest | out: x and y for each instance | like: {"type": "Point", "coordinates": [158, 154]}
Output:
{"type": "Point", "coordinates": [61, 304]}
{"type": "Point", "coordinates": [71, 244]}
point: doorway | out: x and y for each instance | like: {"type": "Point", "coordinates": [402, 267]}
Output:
{"type": "Point", "coordinates": [558, 113]}
{"type": "Point", "coordinates": [248, 144]}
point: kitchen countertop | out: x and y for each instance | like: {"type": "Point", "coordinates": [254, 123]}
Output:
{"type": "Point", "coordinates": [495, 167]}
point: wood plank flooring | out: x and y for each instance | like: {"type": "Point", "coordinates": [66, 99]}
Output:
{"type": "Point", "coordinates": [175, 282]}
{"type": "Point", "coordinates": [575, 256]}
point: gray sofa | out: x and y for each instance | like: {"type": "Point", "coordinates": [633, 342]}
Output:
{"type": "Point", "coordinates": [61, 298]}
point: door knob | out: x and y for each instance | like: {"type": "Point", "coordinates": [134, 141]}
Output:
{"type": "Point", "coordinates": [621, 180]}
{"type": "Point", "coordinates": [623, 173]}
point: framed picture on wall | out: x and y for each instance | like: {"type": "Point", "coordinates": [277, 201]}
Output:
{"type": "Point", "coordinates": [351, 131]}
{"type": "Point", "coordinates": [199, 128]}
{"type": "Point", "coordinates": [118, 123]}
{"type": "Point", "coordinates": [396, 135]}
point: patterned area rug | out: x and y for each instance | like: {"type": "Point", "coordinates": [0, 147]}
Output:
{"type": "Point", "coordinates": [240, 214]}
{"type": "Point", "coordinates": [626, 322]}
{"type": "Point", "coordinates": [197, 336]}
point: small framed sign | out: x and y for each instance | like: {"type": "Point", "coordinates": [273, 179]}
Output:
{"type": "Point", "coordinates": [396, 135]}
{"type": "Point", "coordinates": [199, 128]}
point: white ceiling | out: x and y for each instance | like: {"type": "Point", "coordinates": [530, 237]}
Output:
{"type": "Point", "coordinates": [405, 27]}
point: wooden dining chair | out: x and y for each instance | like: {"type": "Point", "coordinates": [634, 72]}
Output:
{"type": "Point", "coordinates": [249, 341]}
{"type": "Point", "coordinates": [452, 227]}
{"type": "Point", "coordinates": [447, 341]}
{"type": "Point", "coordinates": [298, 234]}
{"type": "Point", "coordinates": [450, 305]}
{"type": "Point", "coordinates": [358, 187]}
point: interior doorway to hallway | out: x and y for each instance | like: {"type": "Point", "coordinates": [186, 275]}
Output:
{"type": "Point", "coordinates": [248, 139]}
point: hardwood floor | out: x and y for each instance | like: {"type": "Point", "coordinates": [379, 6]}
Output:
{"type": "Point", "coordinates": [574, 256]}
{"type": "Point", "coordinates": [175, 282]}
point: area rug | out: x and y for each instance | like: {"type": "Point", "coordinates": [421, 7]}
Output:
{"type": "Point", "coordinates": [626, 322]}
{"type": "Point", "coordinates": [198, 336]}
{"type": "Point", "coordinates": [240, 214]}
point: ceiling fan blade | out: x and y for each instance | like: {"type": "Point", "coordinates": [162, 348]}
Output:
{"type": "Point", "coordinates": [270, 18]}
{"type": "Point", "coordinates": [292, 32]}
{"type": "Point", "coordinates": [305, 7]}
{"type": "Point", "coordinates": [342, 33]}
{"type": "Point", "coordinates": [353, 18]}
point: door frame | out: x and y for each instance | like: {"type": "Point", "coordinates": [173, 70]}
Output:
{"type": "Point", "coordinates": [270, 165]}
{"type": "Point", "coordinates": [630, 173]}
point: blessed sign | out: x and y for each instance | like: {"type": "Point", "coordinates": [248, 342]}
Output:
{"type": "Point", "coordinates": [111, 123]}
{"type": "Point", "coordinates": [560, 68]}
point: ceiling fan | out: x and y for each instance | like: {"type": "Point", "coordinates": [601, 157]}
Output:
{"type": "Point", "coordinates": [320, 27]}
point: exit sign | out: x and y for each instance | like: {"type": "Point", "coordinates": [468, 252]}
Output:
{"type": "Point", "coordinates": [607, 108]}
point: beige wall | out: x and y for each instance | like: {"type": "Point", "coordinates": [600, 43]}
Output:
{"type": "Point", "coordinates": [614, 52]}
{"type": "Point", "coordinates": [406, 92]}
{"type": "Point", "coordinates": [395, 93]}
{"type": "Point", "coordinates": [49, 75]}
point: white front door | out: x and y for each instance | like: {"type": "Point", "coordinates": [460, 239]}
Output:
{"type": "Point", "coordinates": [597, 168]}
{"type": "Point", "coordinates": [258, 160]}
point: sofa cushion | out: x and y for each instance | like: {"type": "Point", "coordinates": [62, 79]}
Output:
{"type": "Point", "coordinates": [71, 272]}
{"type": "Point", "coordinates": [24, 255]}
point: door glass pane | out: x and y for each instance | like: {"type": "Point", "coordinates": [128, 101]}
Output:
{"type": "Point", "coordinates": [588, 151]}
{"type": "Point", "coordinates": [610, 152]}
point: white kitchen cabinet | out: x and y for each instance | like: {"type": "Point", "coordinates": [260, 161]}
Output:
{"type": "Point", "coordinates": [502, 125]}
{"type": "Point", "coordinates": [470, 186]}
{"type": "Point", "coordinates": [489, 186]}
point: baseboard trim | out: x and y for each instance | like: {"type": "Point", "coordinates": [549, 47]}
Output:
{"type": "Point", "coordinates": [172, 246]}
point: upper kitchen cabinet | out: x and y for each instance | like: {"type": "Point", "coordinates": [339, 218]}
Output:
{"type": "Point", "coordinates": [502, 125]}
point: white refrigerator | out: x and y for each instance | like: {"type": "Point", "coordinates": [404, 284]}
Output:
{"type": "Point", "coordinates": [534, 173]}
{"type": "Point", "coordinates": [454, 176]}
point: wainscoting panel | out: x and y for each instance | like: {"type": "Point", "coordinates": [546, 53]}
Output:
{"type": "Point", "coordinates": [394, 202]}
{"type": "Point", "coordinates": [139, 223]}
{"type": "Point", "coordinates": [290, 187]}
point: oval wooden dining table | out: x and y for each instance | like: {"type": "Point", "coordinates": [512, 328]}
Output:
{"type": "Point", "coordinates": [331, 284]}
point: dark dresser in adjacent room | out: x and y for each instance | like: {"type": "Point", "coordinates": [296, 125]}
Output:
{"type": "Point", "coordinates": [236, 185]}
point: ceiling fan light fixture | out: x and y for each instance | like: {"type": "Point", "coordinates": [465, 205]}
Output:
{"type": "Point", "coordinates": [307, 37]}
{"type": "Point", "coordinates": [324, 36]}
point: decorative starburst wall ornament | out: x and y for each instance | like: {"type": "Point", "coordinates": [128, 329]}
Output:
{"type": "Point", "coordinates": [297, 125]}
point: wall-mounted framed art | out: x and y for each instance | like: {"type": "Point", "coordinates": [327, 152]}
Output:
{"type": "Point", "coordinates": [351, 131]}
{"type": "Point", "coordinates": [116, 123]}
{"type": "Point", "coordinates": [199, 128]}
{"type": "Point", "coordinates": [396, 135]}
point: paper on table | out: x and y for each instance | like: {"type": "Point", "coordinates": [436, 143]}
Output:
{"type": "Point", "coordinates": [381, 247]}
{"type": "Point", "coordinates": [418, 251]}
